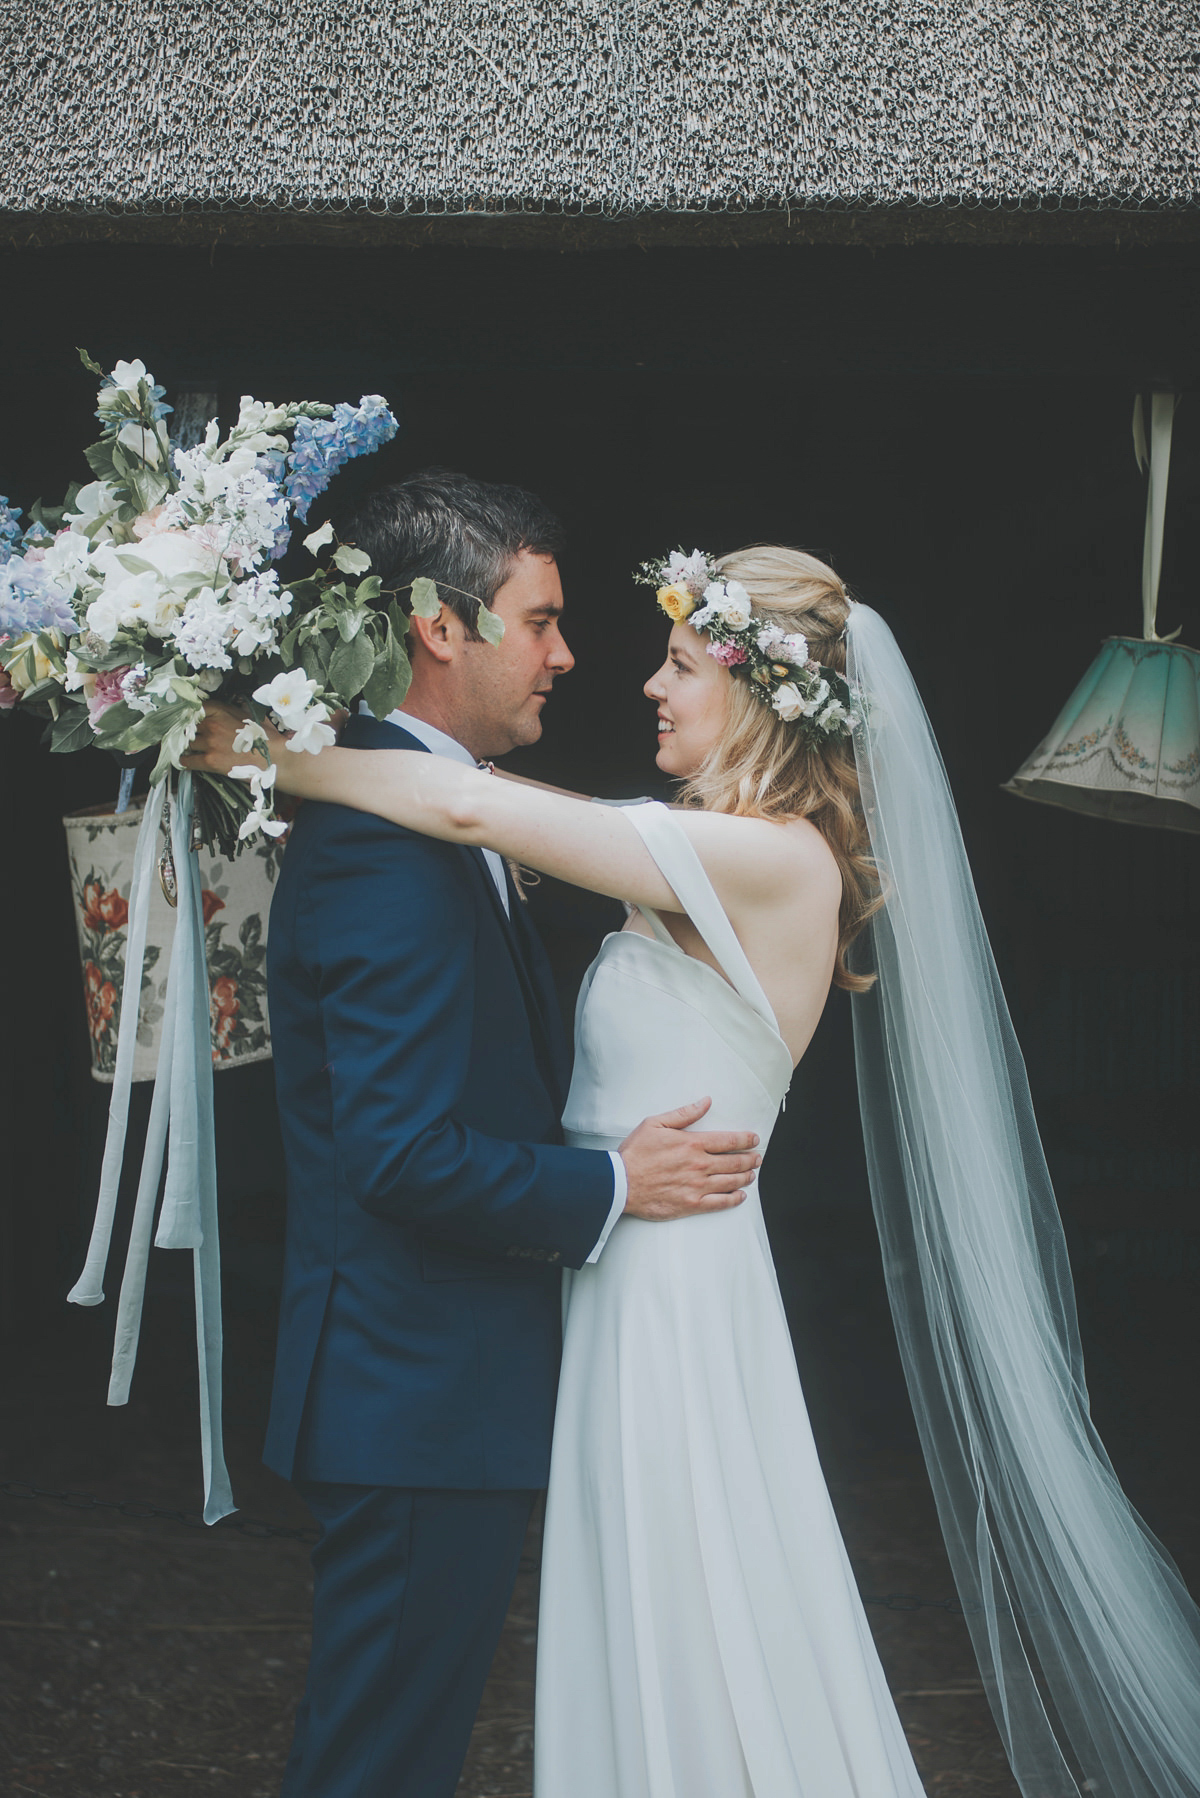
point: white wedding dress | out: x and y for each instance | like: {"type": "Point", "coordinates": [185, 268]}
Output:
{"type": "Point", "coordinates": [701, 1633]}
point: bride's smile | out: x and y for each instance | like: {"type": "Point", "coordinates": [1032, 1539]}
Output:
{"type": "Point", "coordinates": [690, 692]}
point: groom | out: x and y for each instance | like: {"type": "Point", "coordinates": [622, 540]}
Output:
{"type": "Point", "coordinates": [431, 1202]}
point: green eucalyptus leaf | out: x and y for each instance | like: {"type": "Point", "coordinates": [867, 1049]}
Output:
{"type": "Point", "coordinates": [118, 718]}
{"type": "Point", "coordinates": [51, 517]}
{"type": "Point", "coordinates": [304, 593]}
{"type": "Point", "coordinates": [319, 538]}
{"type": "Point", "coordinates": [490, 628]}
{"type": "Point", "coordinates": [367, 592]}
{"type": "Point", "coordinates": [118, 654]}
{"type": "Point", "coordinates": [390, 678]}
{"type": "Point", "coordinates": [350, 667]}
{"type": "Point", "coordinates": [351, 561]}
{"type": "Point", "coordinates": [71, 730]}
{"type": "Point", "coordinates": [398, 618]}
{"type": "Point", "coordinates": [349, 624]}
{"type": "Point", "coordinates": [174, 744]}
{"type": "Point", "coordinates": [99, 458]}
{"type": "Point", "coordinates": [314, 658]}
{"type": "Point", "coordinates": [425, 601]}
{"type": "Point", "coordinates": [43, 692]}
{"type": "Point", "coordinates": [148, 487]}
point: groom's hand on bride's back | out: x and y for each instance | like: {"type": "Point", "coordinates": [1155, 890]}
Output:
{"type": "Point", "coordinates": [675, 1171]}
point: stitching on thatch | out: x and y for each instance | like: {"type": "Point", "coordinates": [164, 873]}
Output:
{"type": "Point", "coordinates": [598, 107]}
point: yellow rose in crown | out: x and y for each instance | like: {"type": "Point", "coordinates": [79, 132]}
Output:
{"type": "Point", "coordinates": [676, 602]}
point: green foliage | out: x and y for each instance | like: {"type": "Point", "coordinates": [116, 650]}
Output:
{"type": "Point", "coordinates": [71, 730]}
{"type": "Point", "coordinates": [351, 561]}
{"type": "Point", "coordinates": [490, 628]}
{"type": "Point", "coordinates": [425, 600]}
{"type": "Point", "coordinates": [390, 678]}
{"type": "Point", "coordinates": [350, 666]}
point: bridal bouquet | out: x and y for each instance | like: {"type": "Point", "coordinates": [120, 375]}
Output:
{"type": "Point", "coordinates": [152, 590]}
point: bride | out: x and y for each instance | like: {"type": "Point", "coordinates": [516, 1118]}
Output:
{"type": "Point", "coordinates": [701, 1635]}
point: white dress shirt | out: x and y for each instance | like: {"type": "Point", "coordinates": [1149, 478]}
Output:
{"type": "Point", "coordinates": [439, 743]}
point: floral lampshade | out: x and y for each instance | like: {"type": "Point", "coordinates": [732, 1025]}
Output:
{"type": "Point", "coordinates": [1126, 745]}
{"type": "Point", "coordinates": [236, 898]}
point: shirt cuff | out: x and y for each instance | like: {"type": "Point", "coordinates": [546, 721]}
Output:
{"type": "Point", "coordinates": [620, 1194]}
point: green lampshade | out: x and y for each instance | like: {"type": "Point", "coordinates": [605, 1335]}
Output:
{"type": "Point", "coordinates": [1126, 745]}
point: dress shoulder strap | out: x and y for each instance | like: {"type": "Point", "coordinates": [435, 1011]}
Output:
{"type": "Point", "coordinates": [683, 871]}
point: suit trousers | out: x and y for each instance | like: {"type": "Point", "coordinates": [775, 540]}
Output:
{"type": "Point", "coordinates": [410, 1591]}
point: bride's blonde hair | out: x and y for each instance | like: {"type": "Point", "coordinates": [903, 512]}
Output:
{"type": "Point", "coordinates": [762, 767]}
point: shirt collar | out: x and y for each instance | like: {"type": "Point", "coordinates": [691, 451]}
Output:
{"type": "Point", "coordinates": [433, 738]}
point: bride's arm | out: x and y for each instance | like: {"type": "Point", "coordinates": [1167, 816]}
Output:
{"type": "Point", "coordinates": [543, 786]}
{"type": "Point", "coordinates": [560, 834]}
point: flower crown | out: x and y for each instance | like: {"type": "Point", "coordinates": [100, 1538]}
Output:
{"type": "Point", "coordinates": [780, 670]}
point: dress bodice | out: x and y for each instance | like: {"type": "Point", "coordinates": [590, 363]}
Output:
{"type": "Point", "coordinates": [655, 1028]}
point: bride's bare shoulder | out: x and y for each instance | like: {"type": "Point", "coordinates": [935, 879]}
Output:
{"type": "Point", "coordinates": [762, 858]}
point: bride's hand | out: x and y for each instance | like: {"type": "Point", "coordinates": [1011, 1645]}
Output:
{"type": "Point", "coordinates": [212, 750]}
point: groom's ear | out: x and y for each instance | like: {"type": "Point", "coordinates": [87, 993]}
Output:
{"type": "Point", "coordinates": [439, 636]}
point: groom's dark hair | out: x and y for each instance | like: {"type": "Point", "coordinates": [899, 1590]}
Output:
{"type": "Point", "coordinates": [462, 533]}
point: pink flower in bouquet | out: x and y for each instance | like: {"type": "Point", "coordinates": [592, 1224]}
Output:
{"type": "Point", "coordinates": [148, 522]}
{"type": "Point", "coordinates": [728, 654]}
{"type": "Point", "coordinates": [8, 693]}
{"type": "Point", "coordinates": [106, 692]}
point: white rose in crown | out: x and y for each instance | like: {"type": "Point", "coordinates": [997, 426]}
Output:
{"type": "Point", "coordinates": [731, 603]}
{"type": "Point", "coordinates": [788, 702]}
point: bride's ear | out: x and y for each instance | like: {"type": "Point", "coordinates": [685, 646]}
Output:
{"type": "Point", "coordinates": [438, 636]}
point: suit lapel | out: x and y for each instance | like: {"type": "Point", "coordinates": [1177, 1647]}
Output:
{"type": "Point", "coordinates": [516, 929]}
{"type": "Point", "coordinates": [377, 733]}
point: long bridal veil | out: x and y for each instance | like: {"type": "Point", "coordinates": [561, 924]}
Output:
{"type": "Point", "coordinates": [1087, 1640]}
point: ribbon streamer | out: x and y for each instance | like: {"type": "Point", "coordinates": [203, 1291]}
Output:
{"type": "Point", "coordinates": [1156, 454]}
{"type": "Point", "coordinates": [182, 1125]}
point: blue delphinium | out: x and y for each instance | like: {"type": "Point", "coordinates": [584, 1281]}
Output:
{"type": "Point", "coordinates": [320, 446]}
{"type": "Point", "coordinates": [29, 600]}
{"type": "Point", "coordinates": [10, 530]}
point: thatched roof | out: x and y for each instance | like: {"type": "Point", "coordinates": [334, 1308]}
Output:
{"type": "Point", "coordinates": [612, 107]}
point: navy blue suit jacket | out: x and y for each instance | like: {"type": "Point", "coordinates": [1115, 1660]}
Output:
{"type": "Point", "coordinates": [421, 1074]}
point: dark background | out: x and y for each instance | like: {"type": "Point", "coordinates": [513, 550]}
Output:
{"type": "Point", "coordinates": [949, 426]}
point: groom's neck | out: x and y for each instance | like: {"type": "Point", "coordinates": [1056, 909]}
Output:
{"type": "Point", "coordinates": [425, 707]}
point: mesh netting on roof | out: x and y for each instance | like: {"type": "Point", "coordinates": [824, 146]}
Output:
{"type": "Point", "coordinates": [455, 107]}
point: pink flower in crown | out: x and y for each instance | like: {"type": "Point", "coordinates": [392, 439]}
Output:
{"type": "Point", "coordinates": [728, 654]}
{"type": "Point", "coordinates": [106, 692]}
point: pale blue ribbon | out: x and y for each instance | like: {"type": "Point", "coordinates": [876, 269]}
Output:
{"type": "Point", "coordinates": [182, 1124]}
